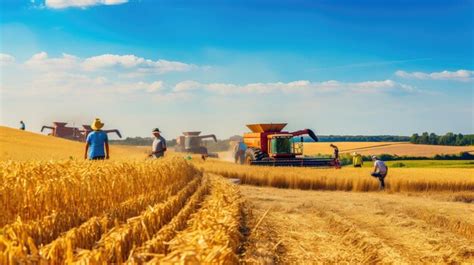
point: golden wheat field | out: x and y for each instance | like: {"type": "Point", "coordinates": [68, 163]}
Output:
{"type": "Point", "coordinates": [115, 212]}
{"type": "Point", "coordinates": [24, 145]}
{"type": "Point", "coordinates": [58, 210]}
{"type": "Point", "coordinates": [377, 148]}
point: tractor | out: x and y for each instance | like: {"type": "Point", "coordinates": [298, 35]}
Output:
{"type": "Point", "coordinates": [268, 145]}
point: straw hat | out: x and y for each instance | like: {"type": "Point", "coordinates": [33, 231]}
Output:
{"type": "Point", "coordinates": [97, 124]}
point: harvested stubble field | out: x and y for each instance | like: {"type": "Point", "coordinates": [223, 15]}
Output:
{"type": "Point", "coordinates": [172, 211]}
{"type": "Point", "coordinates": [393, 148]}
{"type": "Point", "coordinates": [318, 227]}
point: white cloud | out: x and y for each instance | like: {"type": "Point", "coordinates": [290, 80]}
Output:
{"type": "Point", "coordinates": [41, 61]}
{"type": "Point", "coordinates": [110, 60]}
{"type": "Point", "coordinates": [134, 66]}
{"type": "Point", "coordinates": [186, 86]}
{"type": "Point", "coordinates": [139, 86]}
{"type": "Point", "coordinates": [6, 59]}
{"type": "Point", "coordinates": [295, 86]}
{"type": "Point", "coordinates": [131, 61]}
{"type": "Point", "coordinates": [59, 4]}
{"type": "Point", "coordinates": [459, 75]}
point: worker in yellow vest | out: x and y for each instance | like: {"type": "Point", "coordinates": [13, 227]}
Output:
{"type": "Point", "coordinates": [357, 160]}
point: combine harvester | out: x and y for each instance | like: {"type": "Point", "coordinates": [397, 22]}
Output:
{"type": "Point", "coordinates": [268, 145]}
{"type": "Point", "coordinates": [191, 142]}
{"type": "Point", "coordinates": [59, 129]}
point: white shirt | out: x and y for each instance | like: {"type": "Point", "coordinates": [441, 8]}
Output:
{"type": "Point", "coordinates": [381, 166]}
{"type": "Point", "coordinates": [159, 144]}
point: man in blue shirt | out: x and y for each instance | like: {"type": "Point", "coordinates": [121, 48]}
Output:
{"type": "Point", "coordinates": [96, 141]}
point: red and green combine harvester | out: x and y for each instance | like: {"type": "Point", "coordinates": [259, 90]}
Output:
{"type": "Point", "coordinates": [268, 145]}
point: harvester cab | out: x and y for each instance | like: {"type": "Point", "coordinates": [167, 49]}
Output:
{"type": "Point", "coordinates": [269, 145]}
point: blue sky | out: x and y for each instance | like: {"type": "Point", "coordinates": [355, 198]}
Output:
{"type": "Point", "coordinates": [339, 67]}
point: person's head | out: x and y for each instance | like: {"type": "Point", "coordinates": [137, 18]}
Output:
{"type": "Point", "coordinates": [374, 158]}
{"type": "Point", "coordinates": [156, 132]}
{"type": "Point", "coordinates": [97, 124]}
{"type": "Point", "coordinates": [333, 146]}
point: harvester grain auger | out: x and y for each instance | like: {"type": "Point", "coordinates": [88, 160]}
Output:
{"type": "Point", "coordinates": [191, 142]}
{"type": "Point", "coordinates": [268, 145]}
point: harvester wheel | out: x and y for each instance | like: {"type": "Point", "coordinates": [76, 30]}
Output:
{"type": "Point", "coordinates": [254, 154]}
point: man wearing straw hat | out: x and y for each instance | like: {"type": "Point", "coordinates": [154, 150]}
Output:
{"type": "Point", "coordinates": [158, 148]}
{"type": "Point", "coordinates": [96, 141]}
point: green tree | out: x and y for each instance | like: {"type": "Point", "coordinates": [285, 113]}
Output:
{"type": "Point", "coordinates": [424, 139]}
{"type": "Point", "coordinates": [433, 138]}
{"type": "Point", "coordinates": [415, 139]}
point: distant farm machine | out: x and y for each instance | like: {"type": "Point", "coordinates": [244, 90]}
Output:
{"type": "Point", "coordinates": [59, 129]}
{"type": "Point", "coordinates": [191, 142]}
{"type": "Point", "coordinates": [268, 145]}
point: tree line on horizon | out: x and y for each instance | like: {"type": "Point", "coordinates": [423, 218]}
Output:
{"type": "Point", "coordinates": [447, 139]}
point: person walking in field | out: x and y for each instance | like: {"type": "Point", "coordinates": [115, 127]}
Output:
{"type": "Point", "coordinates": [22, 126]}
{"type": "Point", "coordinates": [158, 148]}
{"type": "Point", "coordinates": [357, 160]}
{"type": "Point", "coordinates": [380, 171]}
{"type": "Point", "coordinates": [97, 142]}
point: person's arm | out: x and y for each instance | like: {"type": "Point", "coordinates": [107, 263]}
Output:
{"type": "Point", "coordinates": [375, 168]}
{"type": "Point", "coordinates": [85, 151]}
{"type": "Point", "coordinates": [164, 145]}
{"type": "Point", "coordinates": [107, 152]}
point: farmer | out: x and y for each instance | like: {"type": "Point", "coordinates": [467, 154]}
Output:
{"type": "Point", "coordinates": [158, 148]}
{"type": "Point", "coordinates": [239, 152]}
{"type": "Point", "coordinates": [357, 159]}
{"type": "Point", "coordinates": [336, 156]}
{"type": "Point", "coordinates": [96, 141]}
{"type": "Point", "coordinates": [380, 171]}
{"type": "Point", "coordinates": [22, 126]}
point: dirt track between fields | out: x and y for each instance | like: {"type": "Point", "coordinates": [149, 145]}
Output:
{"type": "Point", "coordinates": [306, 227]}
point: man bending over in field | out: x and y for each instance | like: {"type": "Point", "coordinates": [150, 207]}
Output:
{"type": "Point", "coordinates": [95, 142]}
{"type": "Point", "coordinates": [158, 148]}
{"type": "Point", "coordinates": [336, 156]}
{"type": "Point", "coordinates": [380, 171]}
